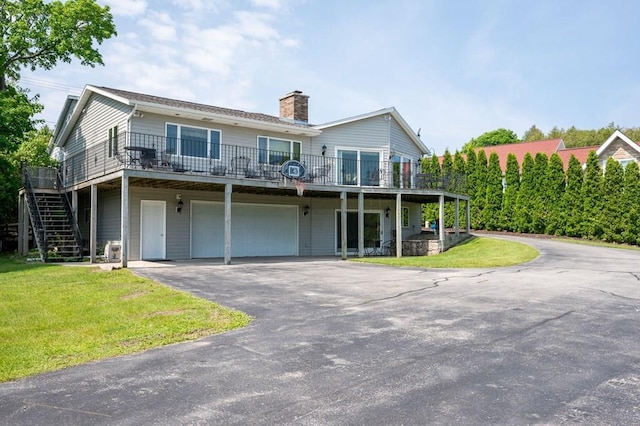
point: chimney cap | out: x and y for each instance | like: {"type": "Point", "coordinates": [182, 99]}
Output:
{"type": "Point", "coordinates": [294, 93]}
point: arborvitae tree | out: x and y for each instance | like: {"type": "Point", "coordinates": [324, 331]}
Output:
{"type": "Point", "coordinates": [431, 167]}
{"type": "Point", "coordinates": [539, 213]}
{"type": "Point", "coordinates": [524, 201]}
{"type": "Point", "coordinates": [631, 209]}
{"type": "Point", "coordinates": [480, 192]}
{"type": "Point", "coordinates": [459, 173]}
{"type": "Point", "coordinates": [572, 202]}
{"type": "Point", "coordinates": [459, 184]}
{"type": "Point", "coordinates": [470, 175]}
{"type": "Point", "coordinates": [612, 198]}
{"type": "Point", "coordinates": [592, 198]}
{"type": "Point", "coordinates": [434, 168]}
{"type": "Point", "coordinates": [512, 182]}
{"type": "Point", "coordinates": [447, 180]}
{"type": "Point", "coordinates": [554, 190]}
{"type": "Point", "coordinates": [493, 202]}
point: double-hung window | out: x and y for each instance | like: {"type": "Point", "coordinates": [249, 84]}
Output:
{"type": "Point", "coordinates": [277, 151]}
{"type": "Point", "coordinates": [193, 141]}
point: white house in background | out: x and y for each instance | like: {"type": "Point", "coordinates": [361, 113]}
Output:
{"type": "Point", "coordinates": [169, 179]}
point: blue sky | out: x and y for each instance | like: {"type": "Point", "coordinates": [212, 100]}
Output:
{"type": "Point", "coordinates": [454, 69]}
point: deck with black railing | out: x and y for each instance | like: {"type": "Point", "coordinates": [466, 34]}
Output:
{"type": "Point", "coordinates": [154, 153]}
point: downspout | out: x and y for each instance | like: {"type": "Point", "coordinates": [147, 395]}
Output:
{"type": "Point", "coordinates": [129, 117]}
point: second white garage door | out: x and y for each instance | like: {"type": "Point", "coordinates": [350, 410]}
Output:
{"type": "Point", "coordinates": [256, 230]}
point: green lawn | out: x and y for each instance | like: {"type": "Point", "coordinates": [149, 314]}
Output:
{"type": "Point", "coordinates": [476, 252]}
{"type": "Point", "coordinates": [54, 316]}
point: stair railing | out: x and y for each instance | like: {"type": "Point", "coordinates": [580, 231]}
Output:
{"type": "Point", "coordinates": [69, 212]}
{"type": "Point", "coordinates": [34, 214]}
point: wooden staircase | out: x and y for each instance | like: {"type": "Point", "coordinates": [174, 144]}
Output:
{"type": "Point", "coordinates": [54, 227]}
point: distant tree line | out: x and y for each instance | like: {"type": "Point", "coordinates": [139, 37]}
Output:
{"type": "Point", "coordinates": [572, 137]}
{"type": "Point", "coordinates": [540, 196]}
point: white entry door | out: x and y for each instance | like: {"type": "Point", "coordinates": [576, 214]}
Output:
{"type": "Point", "coordinates": [153, 229]}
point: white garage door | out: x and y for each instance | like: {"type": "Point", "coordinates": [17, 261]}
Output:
{"type": "Point", "coordinates": [256, 230]}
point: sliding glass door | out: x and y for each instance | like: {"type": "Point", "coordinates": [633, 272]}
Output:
{"type": "Point", "coordinates": [372, 231]}
{"type": "Point", "coordinates": [358, 167]}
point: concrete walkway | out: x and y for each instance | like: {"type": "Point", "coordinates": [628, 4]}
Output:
{"type": "Point", "coordinates": [554, 341]}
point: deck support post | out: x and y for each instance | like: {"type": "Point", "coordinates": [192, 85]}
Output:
{"type": "Point", "coordinates": [361, 224]}
{"type": "Point", "coordinates": [228, 189]}
{"type": "Point", "coordinates": [124, 222]}
{"type": "Point", "coordinates": [343, 224]}
{"type": "Point", "coordinates": [93, 230]}
{"type": "Point", "coordinates": [399, 225]}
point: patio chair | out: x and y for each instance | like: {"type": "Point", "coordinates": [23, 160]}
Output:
{"type": "Point", "coordinates": [388, 248]}
{"type": "Point", "coordinates": [271, 171]}
{"type": "Point", "coordinates": [218, 170]}
{"type": "Point", "coordinates": [148, 158]}
{"type": "Point", "coordinates": [373, 178]}
{"type": "Point", "coordinates": [239, 165]}
{"type": "Point", "coordinates": [321, 173]}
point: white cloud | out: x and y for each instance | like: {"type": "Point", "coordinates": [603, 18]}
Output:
{"type": "Point", "coordinates": [215, 6]}
{"type": "Point", "coordinates": [270, 4]}
{"type": "Point", "coordinates": [128, 8]}
{"type": "Point", "coordinates": [160, 25]}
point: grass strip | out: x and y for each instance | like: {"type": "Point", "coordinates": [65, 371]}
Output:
{"type": "Point", "coordinates": [53, 316]}
{"type": "Point", "coordinates": [476, 252]}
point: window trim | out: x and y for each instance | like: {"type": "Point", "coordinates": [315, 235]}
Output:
{"type": "Point", "coordinates": [405, 216]}
{"type": "Point", "coordinates": [113, 142]}
{"type": "Point", "coordinates": [264, 154]}
{"type": "Point", "coordinates": [359, 151]}
{"type": "Point", "coordinates": [625, 162]}
{"type": "Point", "coordinates": [178, 149]}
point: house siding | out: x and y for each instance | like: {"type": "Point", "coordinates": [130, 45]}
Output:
{"type": "Point", "coordinates": [100, 114]}
{"type": "Point", "coordinates": [619, 150]}
{"type": "Point", "coordinates": [372, 133]}
{"type": "Point", "coordinates": [154, 124]}
{"type": "Point", "coordinates": [316, 231]}
{"type": "Point", "coordinates": [401, 143]}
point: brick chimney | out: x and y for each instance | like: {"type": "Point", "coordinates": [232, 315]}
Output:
{"type": "Point", "coordinates": [295, 106]}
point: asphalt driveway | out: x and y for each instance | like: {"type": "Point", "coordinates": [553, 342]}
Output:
{"type": "Point", "coordinates": [555, 341]}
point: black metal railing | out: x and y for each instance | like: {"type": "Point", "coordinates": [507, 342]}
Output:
{"type": "Point", "coordinates": [34, 214]}
{"type": "Point", "coordinates": [160, 153]}
{"type": "Point", "coordinates": [69, 213]}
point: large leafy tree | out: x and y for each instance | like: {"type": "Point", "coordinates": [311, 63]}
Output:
{"type": "Point", "coordinates": [16, 118]}
{"type": "Point", "coordinates": [38, 34]}
{"type": "Point", "coordinates": [533, 134]}
{"type": "Point", "coordinates": [494, 137]}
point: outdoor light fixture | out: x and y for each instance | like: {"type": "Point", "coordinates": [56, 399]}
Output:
{"type": "Point", "coordinates": [324, 149]}
{"type": "Point", "coordinates": [387, 212]}
{"type": "Point", "coordinates": [306, 210]}
{"type": "Point", "coordinates": [180, 203]}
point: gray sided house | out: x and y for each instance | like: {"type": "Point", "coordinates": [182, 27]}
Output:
{"type": "Point", "coordinates": [161, 178]}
